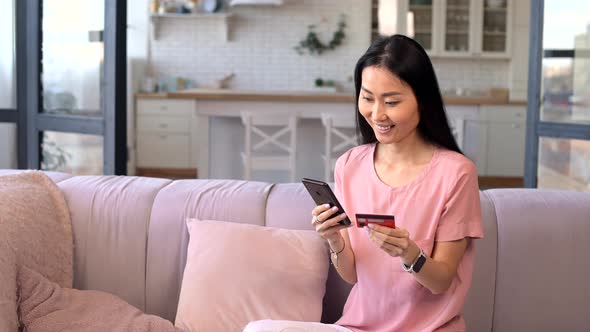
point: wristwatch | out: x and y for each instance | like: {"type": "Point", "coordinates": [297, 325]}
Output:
{"type": "Point", "coordinates": [417, 265]}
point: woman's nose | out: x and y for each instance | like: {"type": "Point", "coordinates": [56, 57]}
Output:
{"type": "Point", "coordinates": [378, 112]}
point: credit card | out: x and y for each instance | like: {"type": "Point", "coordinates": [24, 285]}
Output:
{"type": "Point", "coordinates": [363, 219]}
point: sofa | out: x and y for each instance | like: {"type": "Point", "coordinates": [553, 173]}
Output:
{"type": "Point", "coordinates": [130, 239]}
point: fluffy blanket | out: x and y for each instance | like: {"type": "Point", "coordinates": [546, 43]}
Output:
{"type": "Point", "coordinates": [36, 232]}
{"type": "Point", "coordinates": [36, 267]}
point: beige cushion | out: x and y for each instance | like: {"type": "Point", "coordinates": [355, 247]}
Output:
{"type": "Point", "coordinates": [236, 273]}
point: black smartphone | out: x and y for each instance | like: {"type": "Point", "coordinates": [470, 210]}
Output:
{"type": "Point", "coordinates": [323, 194]}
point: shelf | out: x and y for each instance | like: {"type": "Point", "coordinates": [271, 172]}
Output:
{"type": "Point", "coordinates": [493, 9]}
{"type": "Point", "coordinates": [462, 8]}
{"type": "Point", "coordinates": [156, 18]}
{"type": "Point", "coordinates": [457, 32]}
{"type": "Point", "coordinates": [494, 33]}
{"type": "Point", "coordinates": [421, 7]}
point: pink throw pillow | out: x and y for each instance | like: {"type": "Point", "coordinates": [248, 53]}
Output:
{"type": "Point", "coordinates": [236, 273]}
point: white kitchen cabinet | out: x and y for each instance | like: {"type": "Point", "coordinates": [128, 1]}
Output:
{"type": "Point", "coordinates": [506, 132]}
{"type": "Point", "coordinates": [458, 28]}
{"type": "Point", "coordinates": [424, 16]}
{"type": "Point", "coordinates": [506, 144]}
{"type": "Point", "coordinates": [163, 150]}
{"type": "Point", "coordinates": [165, 135]}
{"type": "Point", "coordinates": [492, 28]}
{"type": "Point", "coordinates": [470, 133]}
{"type": "Point", "coordinates": [475, 145]}
{"type": "Point", "coordinates": [492, 136]}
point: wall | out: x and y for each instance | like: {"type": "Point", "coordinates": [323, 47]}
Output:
{"type": "Point", "coordinates": [260, 49]}
{"type": "Point", "coordinates": [260, 46]}
{"type": "Point", "coordinates": [260, 52]}
{"type": "Point", "coordinates": [475, 74]}
{"type": "Point", "coordinates": [519, 64]}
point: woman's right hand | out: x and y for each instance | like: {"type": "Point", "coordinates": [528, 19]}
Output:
{"type": "Point", "coordinates": [326, 222]}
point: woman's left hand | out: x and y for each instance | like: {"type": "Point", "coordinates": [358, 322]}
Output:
{"type": "Point", "coordinates": [394, 241]}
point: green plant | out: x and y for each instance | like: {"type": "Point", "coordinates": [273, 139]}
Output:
{"type": "Point", "coordinates": [319, 82]}
{"type": "Point", "coordinates": [54, 157]}
{"type": "Point", "coordinates": [315, 46]}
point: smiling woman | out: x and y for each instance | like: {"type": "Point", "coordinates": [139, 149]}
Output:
{"type": "Point", "coordinates": [388, 105]}
{"type": "Point", "coordinates": [409, 159]}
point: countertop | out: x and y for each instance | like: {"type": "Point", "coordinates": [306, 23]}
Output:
{"type": "Point", "coordinates": [305, 96]}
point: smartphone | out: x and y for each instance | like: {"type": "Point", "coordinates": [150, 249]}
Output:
{"type": "Point", "coordinates": [323, 194]}
{"type": "Point", "coordinates": [363, 219]}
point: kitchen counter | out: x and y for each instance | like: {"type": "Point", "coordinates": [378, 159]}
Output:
{"type": "Point", "coordinates": [205, 116]}
{"type": "Point", "coordinates": [304, 96]}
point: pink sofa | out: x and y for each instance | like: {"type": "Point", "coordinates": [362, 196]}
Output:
{"type": "Point", "coordinates": [531, 271]}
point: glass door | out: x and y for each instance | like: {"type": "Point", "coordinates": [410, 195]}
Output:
{"type": "Point", "coordinates": [558, 139]}
{"type": "Point", "coordinates": [76, 113]}
{"type": "Point", "coordinates": [72, 53]}
{"type": "Point", "coordinates": [8, 113]}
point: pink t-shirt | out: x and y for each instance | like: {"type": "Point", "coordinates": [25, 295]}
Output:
{"type": "Point", "coordinates": [441, 204]}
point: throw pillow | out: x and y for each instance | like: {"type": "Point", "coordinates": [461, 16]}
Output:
{"type": "Point", "coordinates": [47, 307]}
{"type": "Point", "coordinates": [236, 273]}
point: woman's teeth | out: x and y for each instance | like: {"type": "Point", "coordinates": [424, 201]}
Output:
{"type": "Point", "coordinates": [383, 128]}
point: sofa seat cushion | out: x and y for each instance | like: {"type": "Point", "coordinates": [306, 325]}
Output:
{"type": "Point", "coordinates": [237, 273]}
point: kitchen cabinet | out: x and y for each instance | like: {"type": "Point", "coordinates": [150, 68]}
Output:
{"type": "Point", "coordinates": [475, 145]}
{"type": "Point", "coordinates": [505, 140]}
{"type": "Point", "coordinates": [492, 136]}
{"type": "Point", "coordinates": [423, 14]}
{"type": "Point", "coordinates": [458, 28]}
{"type": "Point", "coordinates": [165, 134]}
{"type": "Point", "coordinates": [469, 132]}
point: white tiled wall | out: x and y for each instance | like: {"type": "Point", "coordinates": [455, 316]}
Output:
{"type": "Point", "coordinates": [518, 71]}
{"type": "Point", "coordinates": [474, 74]}
{"type": "Point", "coordinates": [260, 49]}
{"type": "Point", "coordinates": [261, 40]}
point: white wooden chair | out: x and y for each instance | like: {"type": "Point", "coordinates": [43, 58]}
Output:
{"type": "Point", "coordinates": [263, 147]}
{"type": "Point", "coordinates": [342, 126]}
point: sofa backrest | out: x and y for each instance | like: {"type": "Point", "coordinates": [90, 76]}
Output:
{"type": "Point", "coordinates": [131, 236]}
{"type": "Point", "coordinates": [542, 262]}
{"type": "Point", "coordinates": [130, 240]}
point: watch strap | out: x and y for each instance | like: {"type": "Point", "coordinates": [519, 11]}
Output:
{"type": "Point", "coordinates": [417, 265]}
{"type": "Point", "coordinates": [419, 262]}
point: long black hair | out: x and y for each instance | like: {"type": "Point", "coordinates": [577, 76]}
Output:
{"type": "Point", "coordinates": [407, 60]}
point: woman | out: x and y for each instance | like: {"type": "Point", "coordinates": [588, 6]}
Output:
{"type": "Point", "coordinates": [414, 277]}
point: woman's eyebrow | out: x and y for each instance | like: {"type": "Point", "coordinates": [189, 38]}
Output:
{"type": "Point", "coordinates": [386, 94]}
